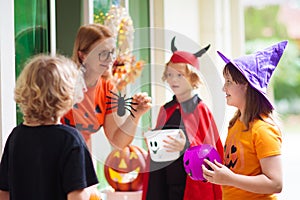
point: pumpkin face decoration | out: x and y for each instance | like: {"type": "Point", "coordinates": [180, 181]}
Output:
{"type": "Point", "coordinates": [124, 169]}
{"type": "Point", "coordinates": [193, 160]}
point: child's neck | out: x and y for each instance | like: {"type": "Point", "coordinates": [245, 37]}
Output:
{"type": "Point", "coordinates": [40, 123]}
{"type": "Point", "coordinates": [185, 96]}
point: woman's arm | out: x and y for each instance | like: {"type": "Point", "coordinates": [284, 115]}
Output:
{"type": "Point", "coordinates": [269, 182]}
{"type": "Point", "coordinates": [120, 131]}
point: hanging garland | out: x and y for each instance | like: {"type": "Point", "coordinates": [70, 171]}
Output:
{"type": "Point", "coordinates": [125, 68]}
{"type": "Point", "coordinates": [101, 9]}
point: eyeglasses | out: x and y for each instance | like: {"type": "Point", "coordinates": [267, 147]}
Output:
{"type": "Point", "coordinates": [104, 55]}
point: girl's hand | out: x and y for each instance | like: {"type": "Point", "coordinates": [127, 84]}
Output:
{"type": "Point", "coordinates": [177, 143]}
{"type": "Point", "coordinates": [219, 174]}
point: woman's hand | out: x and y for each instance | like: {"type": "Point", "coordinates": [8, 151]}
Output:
{"type": "Point", "coordinates": [177, 143]}
{"type": "Point", "coordinates": [143, 103]}
{"type": "Point", "coordinates": [121, 131]}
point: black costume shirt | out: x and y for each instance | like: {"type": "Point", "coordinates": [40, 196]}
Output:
{"type": "Point", "coordinates": [45, 162]}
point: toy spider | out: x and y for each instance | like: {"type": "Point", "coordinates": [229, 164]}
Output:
{"type": "Point", "coordinates": [122, 103]}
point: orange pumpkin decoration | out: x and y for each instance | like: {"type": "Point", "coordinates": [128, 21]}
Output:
{"type": "Point", "coordinates": [95, 196]}
{"type": "Point", "coordinates": [124, 169]}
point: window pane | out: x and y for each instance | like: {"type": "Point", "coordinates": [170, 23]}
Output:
{"type": "Point", "coordinates": [31, 32]}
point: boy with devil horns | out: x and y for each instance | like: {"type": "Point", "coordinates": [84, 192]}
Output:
{"type": "Point", "coordinates": [168, 180]}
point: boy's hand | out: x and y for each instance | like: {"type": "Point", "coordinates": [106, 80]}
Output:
{"type": "Point", "coordinates": [177, 143]}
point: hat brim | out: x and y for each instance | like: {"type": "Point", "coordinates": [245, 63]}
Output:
{"type": "Point", "coordinates": [227, 60]}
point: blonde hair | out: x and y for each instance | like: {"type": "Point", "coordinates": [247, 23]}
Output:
{"type": "Point", "coordinates": [88, 35]}
{"type": "Point", "coordinates": [45, 88]}
{"type": "Point", "coordinates": [190, 74]}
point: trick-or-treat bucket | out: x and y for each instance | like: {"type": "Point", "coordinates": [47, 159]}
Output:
{"type": "Point", "coordinates": [156, 147]}
{"type": "Point", "coordinates": [194, 158]}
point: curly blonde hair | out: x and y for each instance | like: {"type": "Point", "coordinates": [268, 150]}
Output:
{"type": "Point", "coordinates": [45, 88]}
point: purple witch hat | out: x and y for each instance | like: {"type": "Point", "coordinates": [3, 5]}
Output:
{"type": "Point", "coordinates": [258, 67]}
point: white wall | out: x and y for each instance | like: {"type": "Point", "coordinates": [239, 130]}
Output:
{"type": "Point", "coordinates": [183, 17]}
{"type": "Point", "coordinates": [7, 71]}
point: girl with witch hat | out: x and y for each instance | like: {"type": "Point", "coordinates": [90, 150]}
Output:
{"type": "Point", "coordinates": [252, 163]}
{"type": "Point", "coordinates": [168, 180]}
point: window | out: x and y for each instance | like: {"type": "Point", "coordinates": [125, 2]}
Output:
{"type": "Point", "coordinates": [31, 32]}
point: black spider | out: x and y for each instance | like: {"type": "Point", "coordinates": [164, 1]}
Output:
{"type": "Point", "coordinates": [122, 103]}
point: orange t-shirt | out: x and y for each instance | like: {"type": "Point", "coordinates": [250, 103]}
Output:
{"type": "Point", "coordinates": [244, 149]}
{"type": "Point", "coordinates": [88, 116]}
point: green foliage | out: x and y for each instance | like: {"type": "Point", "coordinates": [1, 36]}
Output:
{"type": "Point", "coordinates": [262, 29]}
{"type": "Point", "coordinates": [101, 8]}
{"type": "Point", "coordinates": [263, 23]}
{"type": "Point", "coordinates": [287, 77]}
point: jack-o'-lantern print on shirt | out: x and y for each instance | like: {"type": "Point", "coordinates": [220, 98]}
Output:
{"type": "Point", "coordinates": [88, 115]}
{"type": "Point", "coordinates": [234, 148]}
{"type": "Point", "coordinates": [85, 115]}
{"type": "Point", "coordinates": [240, 150]}
{"type": "Point", "coordinates": [231, 156]}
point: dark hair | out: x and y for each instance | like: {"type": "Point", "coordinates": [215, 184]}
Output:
{"type": "Point", "coordinates": [256, 104]}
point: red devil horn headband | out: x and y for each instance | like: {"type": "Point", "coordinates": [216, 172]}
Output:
{"type": "Point", "coordinates": [173, 48]}
{"type": "Point", "coordinates": [202, 51]}
{"type": "Point", "coordinates": [186, 57]}
{"type": "Point", "coordinates": [197, 54]}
